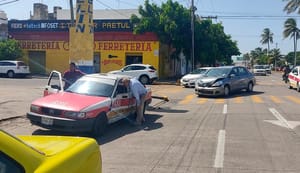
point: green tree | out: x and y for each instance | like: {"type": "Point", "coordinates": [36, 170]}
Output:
{"type": "Point", "coordinates": [212, 44]}
{"type": "Point", "coordinates": [290, 57]}
{"type": "Point", "coordinates": [267, 38]}
{"type": "Point", "coordinates": [10, 50]}
{"type": "Point", "coordinates": [292, 6]}
{"type": "Point", "coordinates": [291, 30]}
{"type": "Point", "coordinates": [275, 58]}
{"type": "Point", "coordinates": [171, 23]}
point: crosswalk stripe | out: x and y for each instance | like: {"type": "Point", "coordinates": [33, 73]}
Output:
{"type": "Point", "coordinates": [275, 99]}
{"type": "Point", "coordinates": [257, 99]}
{"type": "Point", "coordinates": [294, 99]}
{"type": "Point", "coordinates": [238, 100]}
{"type": "Point", "coordinates": [187, 99]}
{"type": "Point", "coordinates": [202, 100]}
{"type": "Point", "coordinates": [191, 98]}
{"type": "Point", "coordinates": [220, 101]}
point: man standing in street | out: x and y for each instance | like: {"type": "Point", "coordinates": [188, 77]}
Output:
{"type": "Point", "coordinates": [70, 76]}
{"type": "Point", "coordinates": [139, 92]}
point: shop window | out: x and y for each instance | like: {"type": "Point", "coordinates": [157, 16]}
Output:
{"type": "Point", "coordinates": [134, 59]}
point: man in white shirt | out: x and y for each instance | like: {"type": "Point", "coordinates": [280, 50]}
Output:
{"type": "Point", "coordinates": [139, 92]}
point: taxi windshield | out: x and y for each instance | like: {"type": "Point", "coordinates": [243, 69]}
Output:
{"type": "Point", "coordinates": [86, 86]}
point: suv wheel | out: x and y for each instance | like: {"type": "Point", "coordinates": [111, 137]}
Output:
{"type": "Point", "coordinates": [144, 79]}
{"type": "Point", "coordinates": [10, 74]}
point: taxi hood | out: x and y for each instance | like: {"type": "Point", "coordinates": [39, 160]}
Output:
{"type": "Point", "coordinates": [68, 101]}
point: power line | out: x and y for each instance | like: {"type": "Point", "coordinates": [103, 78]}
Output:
{"type": "Point", "coordinates": [4, 3]}
{"type": "Point", "coordinates": [110, 8]}
{"type": "Point", "coordinates": [260, 17]}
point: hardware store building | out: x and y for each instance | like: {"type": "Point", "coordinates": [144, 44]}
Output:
{"type": "Point", "coordinates": [45, 44]}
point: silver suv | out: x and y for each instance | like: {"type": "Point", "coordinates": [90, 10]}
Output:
{"type": "Point", "coordinates": [14, 68]}
{"type": "Point", "coordinates": [145, 73]}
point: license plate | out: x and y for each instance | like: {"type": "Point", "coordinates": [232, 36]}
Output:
{"type": "Point", "coordinates": [46, 121]}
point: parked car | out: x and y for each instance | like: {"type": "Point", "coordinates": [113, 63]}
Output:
{"type": "Point", "coordinates": [225, 80]}
{"type": "Point", "coordinates": [294, 78]}
{"type": "Point", "coordinates": [145, 73]}
{"type": "Point", "coordinates": [48, 154]}
{"type": "Point", "coordinates": [259, 70]}
{"type": "Point", "coordinates": [14, 68]}
{"type": "Point", "coordinates": [88, 105]}
{"type": "Point", "coordinates": [189, 80]}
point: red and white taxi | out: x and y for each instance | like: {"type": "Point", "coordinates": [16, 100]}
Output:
{"type": "Point", "coordinates": [88, 105]}
{"type": "Point", "coordinates": [294, 78]}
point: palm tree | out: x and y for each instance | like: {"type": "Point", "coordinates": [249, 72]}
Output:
{"type": "Point", "coordinates": [291, 30]}
{"type": "Point", "coordinates": [267, 38]}
{"type": "Point", "coordinates": [276, 56]}
{"type": "Point", "coordinates": [292, 6]}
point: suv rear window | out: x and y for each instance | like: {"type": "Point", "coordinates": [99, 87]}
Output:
{"type": "Point", "coordinates": [20, 63]}
{"type": "Point", "coordinates": [152, 68]}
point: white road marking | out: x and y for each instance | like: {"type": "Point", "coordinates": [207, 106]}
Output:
{"type": "Point", "coordinates": [281, 121]}
{"type": "Point", "coordinates": [219, 159]}
{"type": "Point", "coordinates": [225, 109]}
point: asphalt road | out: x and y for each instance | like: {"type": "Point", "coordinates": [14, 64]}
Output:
{"type": "Point", "coordinates": [245, 133]}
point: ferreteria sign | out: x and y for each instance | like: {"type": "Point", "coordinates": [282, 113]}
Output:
{"type": "Point", "coordinates": [124, 46]}
{"type": "Point", "coordinates": [104, 46]}
{"type": "Point", "coordinates": [63, 25]}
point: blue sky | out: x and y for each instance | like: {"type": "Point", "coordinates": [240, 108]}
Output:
{"type": "Point", "coordinates": [244, 20]}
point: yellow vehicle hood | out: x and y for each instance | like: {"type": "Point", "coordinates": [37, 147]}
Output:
{"type": "Point", "coordinates": [51, 145]}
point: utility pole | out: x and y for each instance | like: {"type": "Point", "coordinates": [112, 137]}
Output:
{"type": "Point", "coordinates": [72, 13]}
{"type": "Point", "coordinates": [295, 48]}
{"type": "Point", "coordinates": [275, 59]}
{"type": "Point", "coordinates": [193, 9]}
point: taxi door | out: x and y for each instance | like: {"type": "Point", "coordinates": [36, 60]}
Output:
{"type": "Point", "coordinates": [55, 83]}
{"type": "Point", "coordinates": [120, 103]}
{"type": "Point", "coordinates": [294, 77]}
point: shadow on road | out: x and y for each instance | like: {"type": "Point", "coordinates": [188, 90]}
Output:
{"type": "Point", "coordinates": [113, 131]}
{"type": "Point", "coordinates": [166, 109]}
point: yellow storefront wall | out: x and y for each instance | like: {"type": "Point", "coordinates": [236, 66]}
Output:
{"type": "Point", "coordinates": [112, 53]}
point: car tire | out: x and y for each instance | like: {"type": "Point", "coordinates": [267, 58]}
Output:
{"type": "Point", "coordinates": [144, 79]}
{"type": "Point", "coordinates": [298, 87]}
{"type": "Point", "coordinates": [289, 85]}
{"type": "Point", "coordinates": [250, 87]}
{"type": "Point", "coordinates": [99, 125]}
{"type": "Point", "coordinates": [226, 90]}
{"type": "Point", "coordinates": [10, 74]}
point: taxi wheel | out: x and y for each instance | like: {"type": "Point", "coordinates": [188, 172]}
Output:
{"type": "Point", "coordinates": [226, 91]}
{"type": "Point", "coordinates": [289, 85]}
{"type": "Point", "coordinates": [99, 125]}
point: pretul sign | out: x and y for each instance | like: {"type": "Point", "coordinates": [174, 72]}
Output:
{"type": "Point", "coordinates": [64, 25]}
